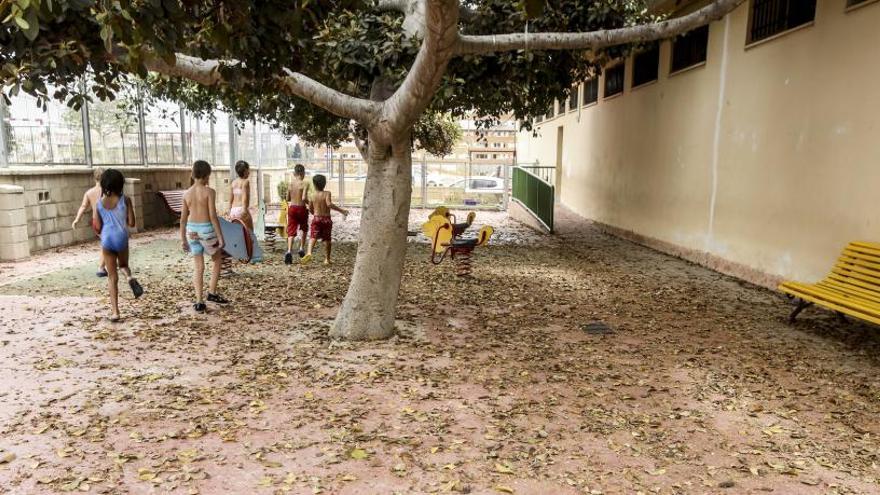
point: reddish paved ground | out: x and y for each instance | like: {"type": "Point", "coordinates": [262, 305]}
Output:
{"type": "Point", "coordinates": [492, 385]}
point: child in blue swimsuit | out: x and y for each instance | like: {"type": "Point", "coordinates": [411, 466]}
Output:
{"type": "Point", "coordinates": [112, 217]}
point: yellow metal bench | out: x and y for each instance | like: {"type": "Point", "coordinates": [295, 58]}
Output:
{"type": "Point", "coordinates": [852, 288]}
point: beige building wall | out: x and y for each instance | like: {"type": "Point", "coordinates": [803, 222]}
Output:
{"type": "Point", "coordinates": [762, 163]}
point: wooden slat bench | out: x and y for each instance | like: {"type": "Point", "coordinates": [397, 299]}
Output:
{"type": "Point", "coordinates": [852, 288]}
{"type": "Point", "coordinates": [173, 200]}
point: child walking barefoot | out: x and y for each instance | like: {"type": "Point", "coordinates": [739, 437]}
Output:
{"type": "Point", "coordinates": [322, 224]}
{"type": "Point", "coordinates": [200, 233]}
{"type": "Point", "coordinates": [112, 216]}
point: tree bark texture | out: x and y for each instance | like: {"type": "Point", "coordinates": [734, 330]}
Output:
{"type": "Point", "coordinates": [369, 307]}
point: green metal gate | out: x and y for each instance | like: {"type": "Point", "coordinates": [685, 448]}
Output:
{"type": "Point", "coordinates": [534, 194]}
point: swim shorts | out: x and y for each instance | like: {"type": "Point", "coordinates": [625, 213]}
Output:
{"type": "Point", "coordinates": [201, 238]}
{"type": "Point", "coordinates": [297, 218]}
{"type": "Point", "coordinates": [322, 228]}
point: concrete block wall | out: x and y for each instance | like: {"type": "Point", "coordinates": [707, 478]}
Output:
{"type": "Point", "coordinates": [48, 197]}
{"type": "Point", "coordinates": [51, 195]}
{"type": "Point", "coordinates": [13, 223]}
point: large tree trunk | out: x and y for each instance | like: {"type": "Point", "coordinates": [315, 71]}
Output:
{"type": "Point", "coordinates": [369, 307]}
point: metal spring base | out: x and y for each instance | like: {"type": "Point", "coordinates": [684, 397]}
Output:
{"type": "Point", "coordinates": [463, 262]}
{"type": "Point", "coordinates": [226, 266]}
{"type": "Point", "coordinates": [270, 239]}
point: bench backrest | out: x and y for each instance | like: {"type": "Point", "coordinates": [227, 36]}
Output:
{"type": "Point", "coordinates": [859, 268]}
{"type": "Point", "coordinates": [273, 210]}
{"type": "Point", "coordinates": [173, 200]}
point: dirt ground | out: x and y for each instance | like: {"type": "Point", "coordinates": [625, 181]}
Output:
{"type": "Point", "coordinates": [493, 385]}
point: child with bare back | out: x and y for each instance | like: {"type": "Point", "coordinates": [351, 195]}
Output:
{"type": "Point", "coordinates": [200, 233]}
{"type": "Point", "coordinates": [112, 216]}
{"type": "Point", "coordinates": [297, 212]}
{"type": "Point", "coordinates": [322, 224]}
{"type": "Point", "coordinates": [89, 202]}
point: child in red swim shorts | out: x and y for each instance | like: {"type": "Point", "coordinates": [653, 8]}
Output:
{"type": "Point", "coordinates": [297, 212]}
{"type": "Point", "coordinates": [322, 224]}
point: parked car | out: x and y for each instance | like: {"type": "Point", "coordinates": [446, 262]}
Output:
{"type": "Point", "coordinates": [437, 180]}
{"type": "Point", "coordinates": [480, 184]}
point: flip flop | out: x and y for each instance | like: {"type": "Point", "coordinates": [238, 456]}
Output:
{"type": "Point", "coordinates": [306, 259]}
{"type": "Point", "coordinates": [115, 319]}
{"type": "Point", "coordinates": [101, 273]}
{"type": "Point", "coordinates": [136, 288]}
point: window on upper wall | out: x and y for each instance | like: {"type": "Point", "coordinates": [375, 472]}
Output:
{"type": "Point", "coordinates": [591, 90]}
{"type": "Point", "coordinates": [614, 80]}
{"type": "Point", "coordinates": [573, 98]}
{"type": "Point", "coordinates": [646, 66]}
{"type": "Point", "coordinates": [689, 49]}
{"type": "Point", "coordinates": [771, 17]}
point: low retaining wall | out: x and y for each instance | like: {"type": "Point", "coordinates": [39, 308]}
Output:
{"type": "Point", "coordinates": [38, 204]}
{"type": "Point", "coordinates": [50, 196]}
{"type": "Point", "coordinates": [521, 214]}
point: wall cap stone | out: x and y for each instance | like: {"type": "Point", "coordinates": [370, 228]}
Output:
{"type": "Point", "coordinates": [11, 189]}
{"type": "Point", "coordinates": [68, 170]}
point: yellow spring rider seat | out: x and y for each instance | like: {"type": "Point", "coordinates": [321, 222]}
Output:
{"type": "Point", "coordinates": [446, 239]}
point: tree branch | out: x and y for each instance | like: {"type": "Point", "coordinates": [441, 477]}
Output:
{"type": "Point", "coordinates": [206, 72]}
{"type": "Point", "coordinates": [485, 44]}
{"type": "Point", "coordinates": [440, 27]}
{"type": "Point", "coordinates": [398, 5]}
{"type": "Point", "coordinates": [335, 102]}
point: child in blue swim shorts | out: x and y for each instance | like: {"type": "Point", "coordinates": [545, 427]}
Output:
{"type": "Point", "coordinates": [201, 238]}
{"type": "Point", "coordinates": [200, 234]}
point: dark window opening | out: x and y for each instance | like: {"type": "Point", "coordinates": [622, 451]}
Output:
{"type": "Point", "coordinates": [614, 80]}
{"type": "Point", "coordinates": [690, 49]}
{"type": "Point", "coordinates": [646, 66]}
{"type": "Point", "coordinates": [771, 17]}
{"type": "Point", "coordinates": [573, 98]}
{"type": "Point", "coordinates": [591, 91]}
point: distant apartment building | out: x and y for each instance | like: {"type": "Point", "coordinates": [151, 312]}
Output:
{"type": "Point", "coordinates": [493, 146]}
